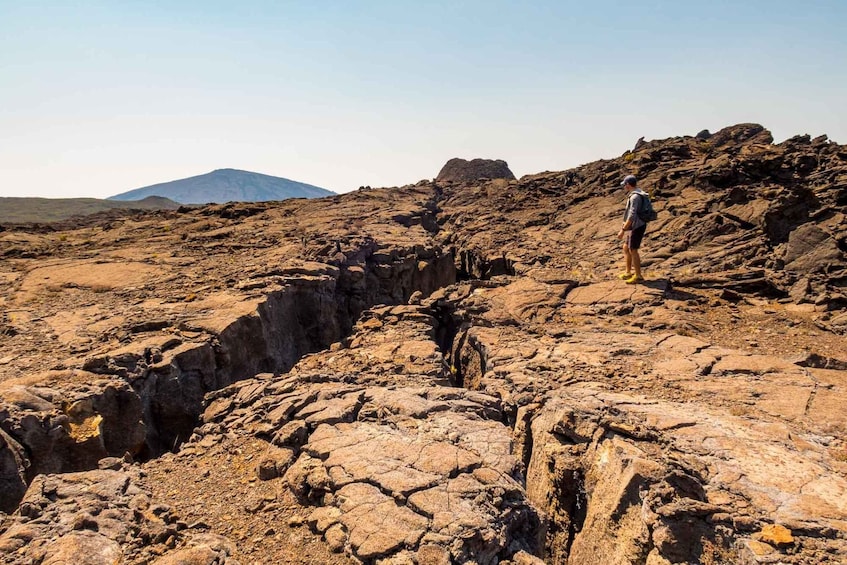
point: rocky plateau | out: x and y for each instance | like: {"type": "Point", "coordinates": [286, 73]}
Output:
{"type": "Point", "coordinates": [446, 372]}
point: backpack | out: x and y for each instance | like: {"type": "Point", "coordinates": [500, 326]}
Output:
{"type": "Point", "coordinates": [646, 213]}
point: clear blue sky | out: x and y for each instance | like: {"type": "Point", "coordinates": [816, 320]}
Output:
{"type": "Point", "coordinates": [97, 98]}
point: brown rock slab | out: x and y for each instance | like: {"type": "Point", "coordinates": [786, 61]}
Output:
{"type": "Point", "coordinates": [431, 554]}
{"type": "Point", "coordinates": [616, 292]}
{"type": "Point", "coordinates": [85, 548]}
{"type": "Point", "coordinates": [376, 524]}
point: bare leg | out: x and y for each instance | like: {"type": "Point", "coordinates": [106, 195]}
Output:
{"type": "Point", "coordinates": [628, 256]}
{"type": "Point", "coordinates": [636, 261]}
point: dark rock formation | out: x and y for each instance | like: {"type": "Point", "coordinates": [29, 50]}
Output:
{"type": "Point", "coordinates": [460, 170]}
{"type": "Point", "coordinates": [13, 466]}
{"type": "Point", "coordinates": [66, 427]}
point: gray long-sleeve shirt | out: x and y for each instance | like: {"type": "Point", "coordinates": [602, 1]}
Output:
{"type": "Point", "coordinates": [634, 203]}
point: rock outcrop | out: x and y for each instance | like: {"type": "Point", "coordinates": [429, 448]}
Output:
{"type": "Point", "coordinates": [444, 372]}
{"type": "Point", "coordinates": [461, 170]}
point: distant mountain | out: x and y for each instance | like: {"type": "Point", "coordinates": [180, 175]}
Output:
{"type": "Point", "coordinates": [227, 185]}
{"type": "Point", "coordinates": [40, 210]}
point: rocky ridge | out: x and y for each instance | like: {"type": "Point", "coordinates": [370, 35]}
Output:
{"type": "Point", "coordinates": [445, 372]}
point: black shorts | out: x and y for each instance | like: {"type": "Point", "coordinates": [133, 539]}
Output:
{"type": "Point", "coordinates": [634, 237]}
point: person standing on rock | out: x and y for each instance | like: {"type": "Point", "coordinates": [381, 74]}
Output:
{"type": "Point", "coordinates": [632, 230]}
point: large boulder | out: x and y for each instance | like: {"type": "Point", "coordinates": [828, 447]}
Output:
{"type": "Point", "coordinates": [461, 170]}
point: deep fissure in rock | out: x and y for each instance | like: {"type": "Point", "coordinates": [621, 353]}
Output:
{"type": "Point", "coordinates": [449, 326]}
{"type": "Point", "coordinates": [566, 500]}
{"type": "Point", "coordinates": [472, 266]}
{"type": "Point", "coordinates": [305, 317]}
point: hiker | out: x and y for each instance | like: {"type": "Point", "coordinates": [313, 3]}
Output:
{"type": "Point", "coordinates": [632, 230]}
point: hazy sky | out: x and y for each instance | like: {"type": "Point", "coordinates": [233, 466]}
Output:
{"type": "Point", "coordinates": [97, 98]}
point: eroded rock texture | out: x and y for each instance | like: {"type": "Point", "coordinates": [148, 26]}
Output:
{"type": "Point", "coordinates": [99, 517]}
{"type": "Point", "coordinates": [449, 372]}
{"type": "Point", "coordinates": [387, 450]}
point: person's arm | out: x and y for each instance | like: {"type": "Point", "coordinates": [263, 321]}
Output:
{"type": "Point", "coordinates": [627, 225]}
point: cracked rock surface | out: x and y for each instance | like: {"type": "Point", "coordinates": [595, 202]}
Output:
{"type": "Point", "coordinates": [448, 372]}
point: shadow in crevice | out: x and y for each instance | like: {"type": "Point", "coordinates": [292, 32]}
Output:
{"type": "Point", "coordinates": [471, 265]}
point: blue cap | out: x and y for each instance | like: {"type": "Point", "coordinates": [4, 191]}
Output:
{"type": "Point", "coordinates": [628, 179]}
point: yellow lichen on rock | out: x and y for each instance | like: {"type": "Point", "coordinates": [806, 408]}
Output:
{"type": "Point", "coordinates": [777, 535]}
{"type": "Point", "coordinates": [86, 428]}
{"type": "Point", "coordinates": [84, 423]}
